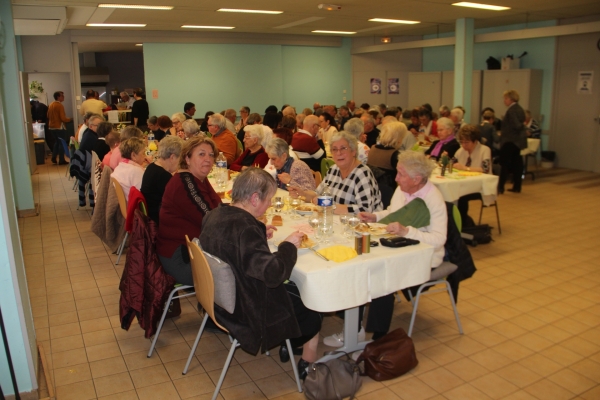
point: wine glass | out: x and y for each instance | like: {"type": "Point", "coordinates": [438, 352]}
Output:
{"type": "Point", "coordinates": [353, 222]}
{"type": "Point", "coordinates": [294, 203]}
{"type": "Point", "coordinates": [286, 203]}
{"type": "Point", "coordinates": [344, 222]}
{"type": "Point", "coordinates": [313, 221]}
{"type": "Point", "coordinates": [326, 228]}
{"type": "Point", "coordinates": [278, 204]}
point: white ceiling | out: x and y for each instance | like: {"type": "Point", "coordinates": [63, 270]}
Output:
{"type": "Point", "coordinates": [300, 17]}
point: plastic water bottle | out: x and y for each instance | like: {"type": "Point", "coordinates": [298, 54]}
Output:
{"type": "Point", "coordinates": [221, 172]}
{"type": "Point", "coordinates": [325, 200]}
{"type": "Point", "coordinates": [150, 136]}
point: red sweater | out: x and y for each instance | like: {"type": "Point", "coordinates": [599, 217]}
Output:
{"type": "Point", "coordinates": [180, 216]}
{"type": "Point", "coordinates": [260, 157]}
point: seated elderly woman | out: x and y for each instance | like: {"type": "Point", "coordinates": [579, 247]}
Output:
{"type": "Point", "coordinates": [350, 182]}
{"type": "Point", "coordinates": [130, 171]}
{"type": "Point", "coordinates": [447, 142]}
{"type": "Point", "coordinates": [127, 133]}
{"type": "Point", "coordinates": [414, 170]}
{"type": "Point", "coordinates": [384, 154]}
{"type": "Point", "coordinates": [268, 308]}
{"type": "Point", "coordinates": [428, 127]}
{"type": "Point", "coordinates": [164, 125]}
{"type": "Point", "coordinates": [255, 154]}
{"type": "Point", "coordinates": [472, 156]}
{"type": "Point", "coordinates": [356, 127]}
{"type": "Point", "coordinates": [159, 173]}
{"type": "Point", "coordinates": [188, 197]}
{"type": "Point", "coordinates": [190, 128]}
{"type": "Point", "coordinates": [289, 170]}
{"type": "Point", "coordinates": [177, 120]}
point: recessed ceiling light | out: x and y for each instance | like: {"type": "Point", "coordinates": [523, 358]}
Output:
{"type": "Point", "coordinates": [240, 10]}
{"type": "Point", "coordinates": [335, 32]}
{"type": "Point", "coordinates": [394, 21]}
{"type": "Point", "coordinates": [482, 6]}
{"type": "Point", "coordinates": [139, 44]}
{"type": "Point", "coordinates": [139, 7]}
{"type": "Point", "coordinates": [207, 27]}
{"type": "Point", "coordinates": [118, 25]}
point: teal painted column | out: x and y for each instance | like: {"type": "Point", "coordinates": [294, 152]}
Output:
{"type": "Point", "coordinates": [463, 62]}
{"type": "Point", "coordinates": [13, 113]}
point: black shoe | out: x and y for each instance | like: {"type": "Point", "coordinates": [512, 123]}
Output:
{"type": "Point", "coordinates": [284, 355]}
{"type": "Point", "coordinates": [302, 368]}
{"type": "Point", "coordinates": [63, 162]}
{"type": "Point", "coordinates": [500, 191]}
{"type": "Point", "coordinates": [53, 161]}
{"type": "Point", "coordinates": [514, 190]}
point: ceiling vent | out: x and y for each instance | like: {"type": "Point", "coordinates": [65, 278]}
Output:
{"type": "Point", "coordinates": [37, 20]}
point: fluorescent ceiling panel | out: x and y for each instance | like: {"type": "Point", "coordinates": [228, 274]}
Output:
{"type": "Point", "coordinates": [481, 6]}
{"type": "Point", "coordinates": [394, 21]}
{"type": "Point", "coordinates": [241, 10]}
{"type": "Point", "coordinates": [299, 22]}
{"type": "Point", "coordinates": [134, 6]}
{"type": "Point", "coordinates": [117, 25]}
{"type": "Point", "coordinates": [335, 32]}
{"type": "Point", "coordinates": [207, 27]}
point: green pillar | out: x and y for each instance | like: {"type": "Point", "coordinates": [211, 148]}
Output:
{"type": "Point", "coordinates": [463, 62]}
{"type": "Point", "coordinates": [10, 89]}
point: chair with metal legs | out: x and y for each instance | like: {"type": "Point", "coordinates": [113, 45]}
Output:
{"type": "Point", "coordinates": [494, 204]}
{"type": "Point", "coordinates": [123, 208]}
{"type": "Point", "coordinates": [438, 276]}
{"type": "Point", "coordinates": [205, 293]}
{"type": "Point", "coordinates": [171, 297]}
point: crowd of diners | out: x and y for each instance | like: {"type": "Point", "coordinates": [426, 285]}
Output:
{"type": "Point", "coordinates": [377, 167]}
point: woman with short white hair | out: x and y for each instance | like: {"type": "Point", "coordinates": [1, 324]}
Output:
{"type": "Point", "coordinates": [288, 170]}
{"type": "Point", "coordinates": [356, 127]}
{"type": "Point", "coordinates": [177, 120]}
{"type": "Point", "coordinates": [255, 154]}
{"type": "Point", "coordinates": [190, 128]}
{"type": "Point", "coordinates": [384, 154]}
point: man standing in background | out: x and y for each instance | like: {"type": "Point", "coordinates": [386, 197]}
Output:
{"type": "Point", "coordinates": [140, 111]}
{"type": "Point", "coordinates": [189, 109]}
{"type": "Point", "coordinates": [92, 104]}
{"type": "Point", "coordinates": [56, 125]}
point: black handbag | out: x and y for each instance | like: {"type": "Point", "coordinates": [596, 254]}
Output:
{"type": "Point", "coordinates": [332, 380]}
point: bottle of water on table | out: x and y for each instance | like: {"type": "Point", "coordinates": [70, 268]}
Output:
{"type": "Point", "coordinates": [221, 170]}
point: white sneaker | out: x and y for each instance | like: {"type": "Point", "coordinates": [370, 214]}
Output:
{"type": "Point", "coordinates": [337, 339]}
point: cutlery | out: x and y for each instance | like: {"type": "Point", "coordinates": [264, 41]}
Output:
{"type": "Point", "coordinates": [319, 254]}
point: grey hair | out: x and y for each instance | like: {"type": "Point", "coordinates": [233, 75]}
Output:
{"type": "Point", "coordinates": [250, 181]}
{"type": "Point", "coordinates": [190, 127]}
{"type": "Point", "coordinates": [445, 122]}
{"type": "Point", "coordinates": [255, 132]}
{"type": "Point", "coordinates": [170, 145]}
{"type": "Point", "coordinates": [444, 109]}
{"type": "Point", "coordinates": [277, 147]}
{"type": "Point", "coordinates": [254, 118]}
{"type": "Point", "coordinates": [416, 164]}
{"type": "Point", "coordinates": [88, 115]}
{"type": "Point", "coordinates": [354, 126]}
{"type": "Point", "coordinates": [94, 117]}
{"type": "Point", "coordinates": [132, 145]}
{"type": "Point", "coordinates": [124, 93]}
{"type": "Point", "coordinates": [458, 113]}
{"type": "Point", "coordinates": [218, 120]}
{"type": "Point", "coordinates": [230, 112]}
{"type": "Point", "coordinates": [178, 116]}
{"type": "Point", "coordinates": [348, 137]}
{"type": "Point", "coordinates": [131, 131]}
{"type": "Point", "coordinates": [366, 117]}
{"type": "Point", "coordinates": [392, 134]}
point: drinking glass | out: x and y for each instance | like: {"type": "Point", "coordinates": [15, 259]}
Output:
{"type": "Point", "coordinates": [286, 203]}
{"type": "Point", "coordinates": [277, 204]}
{"type": "Point", "coordinates": [313, 221]}
{"type": "Point", "coordinates": [353, 222]}
{"type": "Point", "coordinates": [294, 203]}
{"type": "Point", "coordinates": [344, 222]}
{"type": "Point", "coordinates": [326, 229]}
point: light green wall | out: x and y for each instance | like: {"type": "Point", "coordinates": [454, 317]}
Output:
{"type": "Point", "coordinates": [220, 76]}
{"type": "Point", "coordinates": [541, 54]}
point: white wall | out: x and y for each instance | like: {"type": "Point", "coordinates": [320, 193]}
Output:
{"type": "Point", "coordinates": [53, 82]}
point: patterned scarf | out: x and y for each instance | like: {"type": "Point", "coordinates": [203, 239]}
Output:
{"type": "Point", "coordinates": [193, 192]}
{"type": "Point", "coordinates": [287, 167]}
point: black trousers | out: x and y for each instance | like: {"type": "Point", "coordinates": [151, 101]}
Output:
{"type": "Point", "coordinates": [511, 162]}
{"type": "Point", "coordinates": [58, 151]}
{"type": "Point", "coordinates": [309, 321]}
{"type": "Point", "coordinates": [380, 314]}
{"type": "Point", "coordinates": [463, 208]}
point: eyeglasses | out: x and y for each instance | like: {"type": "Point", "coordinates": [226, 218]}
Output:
{"type": "Point", "coordinates": [340, 150]}
{"type": "Point", "coordinates": [212, 125]}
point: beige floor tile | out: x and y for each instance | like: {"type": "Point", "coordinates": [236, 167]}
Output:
{"type": "Point", "coordinates": [165, 390]}
{"type": "Point", "coordinates": [112, 384]}
{"type": "Point", "coordinates": [175, 368]}
{"type": "Point", "coordinates": [139, 360]}
{"type": "Point", "coordinates": [62, 319]}
{"type": "Point", "coordinates": [194, 385]}
{"type": "Point", "coordinates": [72, 374]}
{"type": "Point", "coordinates": [572, 381]}
{"type": "Point", "coordinates": [128, 395]}
{"type": "Point", "coordinates": [245, 391]}
{"type": "Point", "coordinates": [277, 385]}
{"type": "Point", "coordinates": [562, 355]}
{"type": "Point", "coordinates": [173, 352]}
{"type": "Point", "coordinates": [412, 389]}
{"type": "Point", "coordinates": [69, 358]}
{"type": "Point", "coordinates": [134, 345]}
{"type": "Point", "coordinates": [108, 366]}
{"type": "Point", "coordinates": [102, 351]}
{"type": "Point", "coordinates": [76, 391]}
{"type": "Point", "coordinates": [94, 325]}
{"type": "Point", "coordinates": [592, 394]}
{"type": "Point", "coordinates": [99, 337]}
{"type": "Point", "coordinates": [66, 343]}
{"type": "Point", "coordinates": [441, 379]}
{"type": "Point", "coordinates": [494, 386]}
{"type": "Point", "coordinates": [465, 392]}
{"type": "Point", "coordinates": [540, 364]}
{"type": "Point", "coordinates": [467, 369]}
{"type": "Point", "coordinates": [380, 394]}
{"type": "Point", "coordinates": [548, 390]}
{"type": "Point", "coordinates": [261, 368]}
{"type": "Point", "coordinates": [235, 376]}
{"type": "Point", "coordinates": [491, 359]}
{"type": "Point", "coordinates": [61, 308]}
{"type": "Point", "coordinates": [149, 376]}
{"type": "Point", "coordinates": [442, 354]}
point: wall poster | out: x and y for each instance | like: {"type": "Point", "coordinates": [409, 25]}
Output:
{"type": "Point", "coordinates": [375, 86]}
{"type": "Point", "coordinates": [584, 82]}
{"type": "Point", "coordinates": [393, 86]}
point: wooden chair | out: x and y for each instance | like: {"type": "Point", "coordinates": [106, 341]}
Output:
{"type": "Point", "coordinates": [123, 207]}
{"type": "Point", "coordinates": [205, 293]}
{"type": "Point", "coordinates": [318, 178]}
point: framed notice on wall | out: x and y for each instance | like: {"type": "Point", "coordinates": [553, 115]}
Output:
{"type": "Point", "coordinates": [584, 82]}
{"type": "Point", "coordinates": [375, 86]}
{"type": "Point", "coordinates": [393, 86]}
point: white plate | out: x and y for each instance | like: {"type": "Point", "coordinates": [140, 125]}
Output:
{"type": "Point", "coordinates": [377, 229]}
{"type": "Point", "coordinates": [312, 207]}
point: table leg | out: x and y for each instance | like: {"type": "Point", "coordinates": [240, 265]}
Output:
{"type": "Point", "coordinates": [351, 343]}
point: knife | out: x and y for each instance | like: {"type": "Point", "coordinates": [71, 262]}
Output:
{"type": "Point", "coordinates": [319, 254]}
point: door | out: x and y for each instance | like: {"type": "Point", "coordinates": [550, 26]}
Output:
{"type": "Point", "coordinates": [576, 124]}
{"type": "Point", "coordinates": [28, 127]}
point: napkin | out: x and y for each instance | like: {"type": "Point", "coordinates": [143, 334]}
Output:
{"type": "Point", "coordinates": [304, 228]}
{"type": "Point", "coordinates": [338, 253]}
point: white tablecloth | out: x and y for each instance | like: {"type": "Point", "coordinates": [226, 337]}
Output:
{"type": "Point", "coordinates": [454, 186]}
{"type": "Point", "coordinates": [532, 147]}
{"type": "Point", "coordinates": [329, 286]}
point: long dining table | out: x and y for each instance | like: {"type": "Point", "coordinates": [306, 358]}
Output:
{"type": "Point", "coordinates": [458, 184]}
{"type": "Point", "coordinates": [328, 286]}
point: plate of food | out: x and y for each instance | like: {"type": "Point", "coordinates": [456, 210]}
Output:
{"type": "Point", "coordinates": [375, 229]}
{"type": "Point", "coordinates": [306, 244]}
{"type": "Point", "coordinates": [306, 208]}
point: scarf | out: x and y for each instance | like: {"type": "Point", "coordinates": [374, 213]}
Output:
{"type": "Point", "coordinates": [287, 167]}
{"type": "Point", "coordinates": [193, 192]}
{"type": "Point", "coordinates": [438, 147]}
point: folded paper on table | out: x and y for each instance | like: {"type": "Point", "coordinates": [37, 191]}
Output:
{"type": "Point", "coordinates": [338, 253]}
{"type": "Point", "coordinates": [415, 214]}
{"type": "Point", "coordinates": [304, 228]}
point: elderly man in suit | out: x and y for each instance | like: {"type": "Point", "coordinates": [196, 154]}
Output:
{"type": "Point", "coordinates": [513, 139]}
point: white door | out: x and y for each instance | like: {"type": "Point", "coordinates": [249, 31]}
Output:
{"type": "Point", "coordinates": [576, 125]}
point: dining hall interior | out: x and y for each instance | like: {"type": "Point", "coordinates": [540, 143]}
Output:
{"type": "Point", "coordinates": [531, 312]}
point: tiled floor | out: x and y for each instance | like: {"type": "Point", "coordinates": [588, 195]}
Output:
{"type": "Point", "coordinates": [531, 313]}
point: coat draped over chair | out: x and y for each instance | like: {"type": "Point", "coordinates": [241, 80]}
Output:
{"type": "Point", "coordinates": [107, 221]}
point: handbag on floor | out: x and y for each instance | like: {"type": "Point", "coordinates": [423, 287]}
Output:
{"type": "Point", "coordinates": [390, 356]}
{"type": "Point", "coordinates": [332, 380]}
